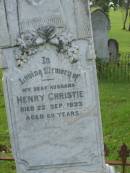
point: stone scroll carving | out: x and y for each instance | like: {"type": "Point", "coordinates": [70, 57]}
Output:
{"type": "Point", "coordinates": [29, 43]}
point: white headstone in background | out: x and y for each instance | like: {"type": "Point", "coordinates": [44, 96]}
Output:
{"type": "Point", "coordinates": [50, 88]}
{"type": "Point", "coordinates": [100, 25]}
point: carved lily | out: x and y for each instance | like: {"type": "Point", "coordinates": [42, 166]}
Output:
{"type": "Point", "coordinates": [30, 41]}
{"type": "Point", "coordinates": [47, 33]}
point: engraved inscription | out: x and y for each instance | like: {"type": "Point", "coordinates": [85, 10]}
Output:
{"type": "Point", "coordinates": [53, 100]}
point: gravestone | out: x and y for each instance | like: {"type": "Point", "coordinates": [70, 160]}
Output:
{"type": "Point", "coordinates": [50, 87]}
{"type": "Point", "coordinates": [113, 47]}
{"type": "Point", "coordinates": [100, 25]}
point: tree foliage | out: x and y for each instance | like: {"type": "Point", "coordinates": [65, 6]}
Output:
{"type": "Point", "coordinates": [105, 5]}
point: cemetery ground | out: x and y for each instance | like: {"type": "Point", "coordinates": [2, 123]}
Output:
{"type": "Point", "coordinates": [114, 98]}
{"type": "Point", "coordinates": [116, 32]}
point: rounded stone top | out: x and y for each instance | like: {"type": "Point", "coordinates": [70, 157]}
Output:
{"type": "Point", "coordinates": [100, 20]}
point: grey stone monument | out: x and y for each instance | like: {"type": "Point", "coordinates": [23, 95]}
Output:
{"type": "Point", "coordinates": [113, 47]}
{"type": "Point", "coordinates": [100, 25]}
{"type": "Point", "coordinates": [50, 86]}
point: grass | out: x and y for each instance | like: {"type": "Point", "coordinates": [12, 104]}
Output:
{"type": "Point", "coordinates": [7, 167]}
{"type": "Point", "coordinates": [116, 32]}
{"type": "Point", "coordinates": [3, 118]}
{"type": "Point", "coordinates": [115, 110]}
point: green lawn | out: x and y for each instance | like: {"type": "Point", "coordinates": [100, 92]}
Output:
{"type": "Point", "coordinates": [7, 167]}
{"type": "Point", "coordinates": [115, 109]}
{"type": "Point", "coordinates": [3, 118]}
{"type": "Point", "coordinates": [116, 32]}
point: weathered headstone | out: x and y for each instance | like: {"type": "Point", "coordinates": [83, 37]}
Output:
{"type": "Point", "coordinates": [113, 47]}
{"type": "Point", "coordinates": [50, 87]}
{"type": "Point", "coordinates": [100, 25]}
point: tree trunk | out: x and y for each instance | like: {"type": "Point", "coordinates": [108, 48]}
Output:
{"type": "Point", "coordinates": [129, 22]}
{"type": "Point", "coordinates": [126, 14]}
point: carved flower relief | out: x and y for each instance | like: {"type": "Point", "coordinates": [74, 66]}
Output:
{"type": "Point", "coordinates": [29, 43]}
{"type": "Point", "coordinates": [73, 54]}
